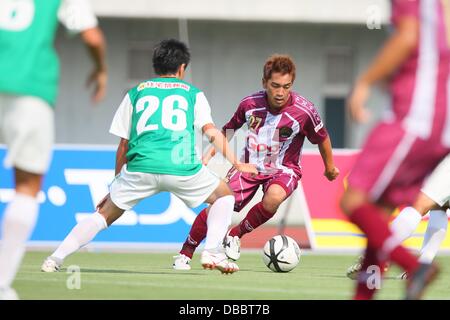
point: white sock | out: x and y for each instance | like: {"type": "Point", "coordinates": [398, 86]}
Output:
{"type": "Point", "coordinates": [219, 219]}
{"type": "Point", "coordinates": [18, 224]}
{"type": "Point", "coordinates": [435, 234]}
{"type": "Point", "coordinates": [81, 234]}
{"type": "Point", "coordinates": [406, 223]}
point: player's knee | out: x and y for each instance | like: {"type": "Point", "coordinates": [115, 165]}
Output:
{"type": "Point", "coordinates": [423, 204]}
{"type": "Point", "coordinates": [271, 204]}
{"type": "Point", "coordinates": [350, 201]}
{"type": "Point", "coordinates": [105, 216]}
{"type": "Point", "coordinates": [27, 183]}
{"type": "Point", "coordinates": [346, 203]}
{"type": "Point", "coordinates": [223, 190]}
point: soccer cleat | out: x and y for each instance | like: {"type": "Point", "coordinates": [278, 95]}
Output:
{"type": "Point", "coordinates": [232, 247]}
{"type": "Point", "coordinates": [181, 262]}
{"type": "Point", "coordinates": [51, 264]}
{"type": "Point", "coordinates": [403, 276]}
{"type": "Point", "coordinates": [218, 261]}
{"type": "Point", "coordinates": [353, 270]}
{"type": "Point", "coordinates": [8, 294]}
{"type": "Point", "coordinates": [420, 280]}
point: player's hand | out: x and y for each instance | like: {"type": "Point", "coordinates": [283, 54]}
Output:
{"type": "Point", "coordinates": [356, 102]}
{"type": "Point", "coordinates": [99, 79]}
{"type": "Point", "coordinates": [331, 173]}
{"type": "Point", "coordinates": [247, 168]}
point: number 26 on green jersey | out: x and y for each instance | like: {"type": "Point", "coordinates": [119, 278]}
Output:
{"type": "Point", "coordinates": [171, 118]}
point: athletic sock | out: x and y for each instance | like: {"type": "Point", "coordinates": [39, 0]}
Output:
{"type": "Point", "coordinates": [18, 224]}
{"type": "Point", "coordinates": [369, 219]}
{"type": "Point", "coordinates": [254, 218]}
{"type": "Point", "coordinates": [81, 235]}
{"type": "Point", "coordinates": [434, 236]}
{"type": "Point", "coordinates": [196, 234]}
{"type": "Point", "coordinates": [218, 221]}
{"type": "Point", "coordinates": [406, 223]}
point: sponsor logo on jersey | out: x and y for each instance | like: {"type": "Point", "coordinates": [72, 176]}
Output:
{"type": "Point", "coordinates": [285, 132]}
{"type": "Point", "coordinates": [262, 148]}
{"type": "Point", "coordinates": [163, 85]}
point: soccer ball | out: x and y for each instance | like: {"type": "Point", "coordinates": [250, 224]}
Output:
{"type": "Point", "coordinates": [281, 254]}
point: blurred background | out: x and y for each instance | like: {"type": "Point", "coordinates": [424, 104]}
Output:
{"type": "Point", "coordinates": [331, 42]}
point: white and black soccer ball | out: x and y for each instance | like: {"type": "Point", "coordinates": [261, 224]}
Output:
{"type": "Point", "coordinates": [281, 254]}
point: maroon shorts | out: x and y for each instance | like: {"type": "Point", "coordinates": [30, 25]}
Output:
{"type": "Point", "coordinates": [245, 187]}
{"type": "Point", "coordinates": [393, 164]}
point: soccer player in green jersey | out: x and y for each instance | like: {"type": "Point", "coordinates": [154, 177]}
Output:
{"type": "Point", "coordinates": [29, 72]}
{"type": "Point", "coordinates": [156, 153]}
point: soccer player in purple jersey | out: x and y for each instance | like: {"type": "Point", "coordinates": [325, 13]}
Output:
{"type": "Point", "coordinates": [278, 120]}
{"type": "Point", "coordinates": [408, 142]}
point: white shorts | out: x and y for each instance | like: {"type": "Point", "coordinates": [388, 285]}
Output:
{"type": "Point", "coordinates": [437, 186]}
{"type": "Point", "coordinates": [27, 128]}
{"type": "Point", "coordinates": [128, 188]}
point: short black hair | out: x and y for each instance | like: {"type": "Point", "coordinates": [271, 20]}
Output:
{"type": "Point", "coordinates": [169, 55]}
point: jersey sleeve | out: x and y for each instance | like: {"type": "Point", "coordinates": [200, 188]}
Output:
{"type": "Point", "coordinates": [237, 120]}
{"type": "Point", "coordinates": [202, 111]}
{"type": "Point", "coordinates": [77, 15]}
{"type": "Point", "coordinates": [404, 8]}
{"type": "Point", "coordinates": [313, 127]}
{"type": "Point", "coordinates": [121, 124]}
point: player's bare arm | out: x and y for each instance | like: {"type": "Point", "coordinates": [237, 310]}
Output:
{"type": "Point", "coordinates": [392, 55]}
{"type": "Point", "coordinates": [121, 155]}
{"type": "Point", "coordinates": [326, 151]}
{"type": "Point", "coordinates": [121, 159]}
{"type": "Point", "coordinates": [95, 42]}
{"type": "Point", "coordinates": [219, 141]}
{"type": "Point", "coordinates": [211, 152]}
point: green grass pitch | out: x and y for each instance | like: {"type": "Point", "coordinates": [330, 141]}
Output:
{"type": "Point", "coordinates": [150, 276]}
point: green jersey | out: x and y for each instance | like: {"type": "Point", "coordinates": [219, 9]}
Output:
{"type": "Point", "coordinates": [158, 118]}
{"type": "Point", "coordinates": [28, 62]}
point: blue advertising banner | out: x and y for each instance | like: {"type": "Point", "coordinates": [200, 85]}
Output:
{"type": "Point", "coordinates": [77, 180]}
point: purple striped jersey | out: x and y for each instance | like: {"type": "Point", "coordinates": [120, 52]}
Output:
{"type": "Point", "coordinates": [274, 140]}
{"type": "Point", "coordinates": [420, 99]}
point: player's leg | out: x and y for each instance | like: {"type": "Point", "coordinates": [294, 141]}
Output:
{"type": "Point", "coordinates": [390, 168]}
{"type": "Point", "coordinates": [221, 209]}
{"type": "Point", "coordinates": [202, 187]}
{"type": "Point", "coordinates": [126, 191]}
{"type": "Point", "coordinates": [261, 212]}
{"type": "Point", "coordinates": [369, 279]}
{"type": "Point", "coordinates": [434, 194]}
{"type": "Point", "coordinates": [18, 223]}
{"type": "Point", "coordinates": [244, 188]}
{"type": "Point", "coordinates": [196, 235]}
{"type": "Point", "coordinates": [434, 236]}
{"type": "Point", "coordinates": [29, 145]}
{"type": "Point", "coordinates": [276, 189]}
{"type": "Point", "coordinates": [373, 222]}
{"type": "Point", "coordinates": [437, 190]}
{"type": "Point", "coordinates": [83, 233]}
